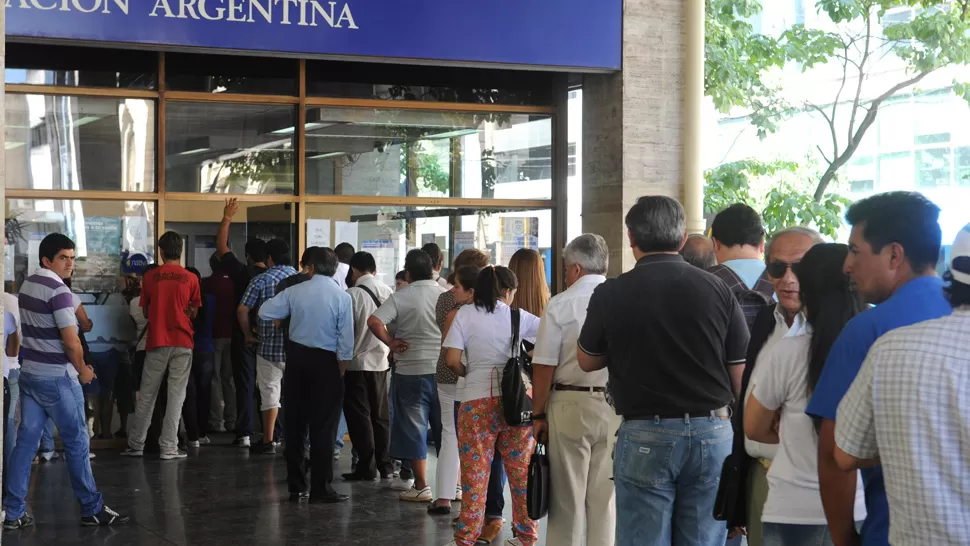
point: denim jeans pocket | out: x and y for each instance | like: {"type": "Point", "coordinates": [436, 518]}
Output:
{"type": "Point", "coordinates": [716, 445]}
{"type": "Point", "coordinates": [45, 391]}
{"type": "Point", "coordinates": [643, 460]}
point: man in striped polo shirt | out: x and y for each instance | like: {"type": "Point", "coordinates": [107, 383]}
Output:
{"type": "Point", "coordinates": [50, 387]}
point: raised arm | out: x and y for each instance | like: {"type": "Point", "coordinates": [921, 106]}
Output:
{"type": "Point", "coordinates": [222, 236]}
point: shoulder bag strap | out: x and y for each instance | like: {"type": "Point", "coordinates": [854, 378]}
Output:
{"type": "Point", "coordinates": [516, 348]}
{"type": "Point", "coordinates": [371, 294]}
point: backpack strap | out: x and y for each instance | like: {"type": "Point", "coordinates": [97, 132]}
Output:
{"type": "Point", "coordinates": [371, 294]}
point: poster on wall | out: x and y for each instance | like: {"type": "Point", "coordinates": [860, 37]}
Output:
{"type": "Point", "coordinates": [346, 232]}
{"type": "Point", "coordinates": [135, 237]}
{"type": "Point", "coordinates": [318, 232]}
{"type": "Point", "coordinates": [463, 240]}
{"type": "Point", "coordinates": [517, 233]}
{"type": "Point", "coordinates": [383, 252]}
{"type": "Point", "coordinates": [98, 270]}
{"type": "Point", "coordinates": [427, 238]}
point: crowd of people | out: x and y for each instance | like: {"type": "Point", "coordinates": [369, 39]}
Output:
{"type": "Point", "coordinates": [790, 390]}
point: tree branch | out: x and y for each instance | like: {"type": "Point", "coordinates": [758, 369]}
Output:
{"type": "Point", "coordinates": [831, 123]}
{"type": "Point", "coordinates": [862, 72]}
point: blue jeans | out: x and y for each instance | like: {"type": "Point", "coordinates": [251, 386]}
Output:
{"type": "Point", "coordinates": [10, 433]}
{"type": "Point", "coordinates": [60, 399]}
{"type": "Point", "coordinates": [785, 534]}
{"type": "Point", "coordinates": [416, 401]}
{"type": "Point", "coordinates": [666, 477]}
{"type": "Point", "coordinates": [47, 437]}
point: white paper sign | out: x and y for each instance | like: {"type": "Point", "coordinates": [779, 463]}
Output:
{"type": "Point", "coordinates": [346, 233]}
{"type": "Point", "coordinates": [427, 238]}
{"type": "Point", "coordinates": [318, 233]}
{"type": "Point", "coordinates": [383, 252]}
{"type": "Point", "coordinates": [135, 235]}
{"type": "Point", "coordinates": [463, 240]}
{"type": "Point", "coordinates": [202, 254]}
{"type": "Point", "coordinates": [8, 262]}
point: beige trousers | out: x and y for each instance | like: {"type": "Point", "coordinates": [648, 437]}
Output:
{"type": "Point", "coordinates": [582, 509]}
{"type": "Point", "coordinates": [757, 495]}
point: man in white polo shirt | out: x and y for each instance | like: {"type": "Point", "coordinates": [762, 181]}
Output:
{"type": "Point", "coordinates": [576, 415]}
{"type": "Point", "coordinates": [416, 345]}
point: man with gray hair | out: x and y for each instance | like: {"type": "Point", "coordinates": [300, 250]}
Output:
{"type": "Point", "coordinates": [673, 338]}
{"type": "Point", "coordinates": [570, 412]}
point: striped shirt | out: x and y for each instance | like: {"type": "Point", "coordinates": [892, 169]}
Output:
{"type": "Point", "coordinates": [46, 306]}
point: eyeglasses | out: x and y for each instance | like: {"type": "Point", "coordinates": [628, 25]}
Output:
{"type": "Point", "coordinates": [778, 268]}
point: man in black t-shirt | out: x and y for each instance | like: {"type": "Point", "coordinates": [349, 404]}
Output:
{"type": "Point", "coordinates": [243, 357]}
{"type": "Point", "coordinates": [673, 338]}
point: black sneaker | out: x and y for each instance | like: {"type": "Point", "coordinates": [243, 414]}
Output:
{"type": "Point", "coordinates": [104, 518]}
{"type": "Point", "coordinates": [297, 497]}
{"type": "Point", "coordinates": [262, 448]}
{"type": "Point", "coordinates": [14, 524]}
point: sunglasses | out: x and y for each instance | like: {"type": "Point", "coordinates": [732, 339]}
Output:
{"type": "Point", "coordinates": [778, 268]}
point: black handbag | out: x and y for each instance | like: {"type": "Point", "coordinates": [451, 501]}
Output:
{"type": "Point", "coordinates": [537, 494]}
{"type": "Point", "coordinates": [516, 404]}
{"type": "Point", "coordinates": [730, 503]}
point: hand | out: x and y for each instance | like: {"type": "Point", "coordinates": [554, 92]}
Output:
{"type": "Point", "coordinates": [398, 346]}
{"type": "Point", "coordinates": [737, 531]}
{"type": "Point", "coordinates": [540, 430]}
{"type": "Point", "coordinates": [87, 326]}
{"type": "Point", "coordinates": [86, 375]}
{"type": "Point", "coordinates": [251, 340]}
{"type": "Point", "coordinates": [231, 208]}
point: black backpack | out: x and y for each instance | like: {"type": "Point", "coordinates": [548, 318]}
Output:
{"type": "Point", "coordinates": [516, 404]}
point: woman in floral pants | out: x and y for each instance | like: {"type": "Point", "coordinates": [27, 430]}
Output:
{"type": "Point", "coordinates": [484, 332]}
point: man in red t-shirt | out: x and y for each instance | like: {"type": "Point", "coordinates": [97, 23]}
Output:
{"type": "Point", "coordinates": [170, 299]}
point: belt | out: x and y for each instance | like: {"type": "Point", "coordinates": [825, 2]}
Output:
{"type": "Point", "coordinates": [723, 413]}
{"type": "Point", "coordinates": [573, 388]}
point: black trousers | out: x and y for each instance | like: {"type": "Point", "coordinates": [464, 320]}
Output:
{"type": "Point", "coordinates": [368, 421]}
{"type": "Point", "coordinates": [198, 395]}
{"type": "Point", "coordinates": [313, 394]}
{"type": "Point", "coordinates": [244, 376]}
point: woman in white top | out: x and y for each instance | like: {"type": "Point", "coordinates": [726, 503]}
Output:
{"type": "Point", "coordinates": [483, 333]}
{"type": "Point", "coordinates": [793, 514]}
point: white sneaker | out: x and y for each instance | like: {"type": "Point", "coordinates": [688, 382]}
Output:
{"type": "Point", "coordinates": [49, 456]}
{"type": "Point", "coordinates": [132, 453]}
{"type": "Point", "coordinates": [173, 455]}
{"type": "Point", "coordinates": [205, 440]}
{"type": "Point", "coordinates": [458, 494]}
{"type": "Point", "coordinates": [513, 542]}
{"type": "Point", "coordinates": [242, 442]}
{"type": "Point", "coordinates": [91, 455]}
{"type": "Point", "coordinates": [402, 485]}
{"type": "Point", "coordinates": [194, 444]}
{"type": "Point", "coordinates": [416, 495]}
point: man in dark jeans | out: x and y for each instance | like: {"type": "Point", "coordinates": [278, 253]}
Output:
{"type": "Point", "coordinates": [243, 358]}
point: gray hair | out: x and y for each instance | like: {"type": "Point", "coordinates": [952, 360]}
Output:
{"type": "Point", "coordinates": [588, 251]}
{"type": "Point", "coordinates": [657, 224]}
{"type": "Point", "coordinates": [815, 236]}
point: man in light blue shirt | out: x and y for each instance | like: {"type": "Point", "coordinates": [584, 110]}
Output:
{"type": "Point", "coordinates": [320, 347]}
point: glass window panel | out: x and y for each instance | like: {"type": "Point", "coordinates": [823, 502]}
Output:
{"type": "Point", "coordinates": [390, 232]}
{"type": "Point", "coordinates": [80, 143]}
{"type": "Point", "coordinates": [896, 171]}
{"type": "Point", "coordinates": [933, 168]}
{"type": "Point", "coordinates": [198, 222]}
{"type": "Point", "coordinates": [896, 127]}
{"type": "Point", "coordinates": [428, 83]}
{"type": "Point", "coordinates": [356, 151]}
{"type": "Point", "coordinates": [106, 233]}
{"type": "Point", "coordinates": [962, 173]}
{"type": "Point", "coordinates": [229, 148]}
{"type": "Point", "coordinates": [231, 74]}
{"type": "Point", "coordinates": [73, 66]}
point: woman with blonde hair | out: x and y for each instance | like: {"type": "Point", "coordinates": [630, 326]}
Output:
{"type": "Point", "coordinates": [530, 270]}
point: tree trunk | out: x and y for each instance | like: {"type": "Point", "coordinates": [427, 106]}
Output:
{"type": "Point", "coordinates": [823, 183]}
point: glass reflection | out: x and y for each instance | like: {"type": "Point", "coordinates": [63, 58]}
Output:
{"type": "Point", "coordinates": [355, 151]}
{"type": "Point", "coordinates": [229, 148]}
{"type": "Point", "coordinates": [80, 143]}
{"type": "Point", "coordinates": [390, 232]}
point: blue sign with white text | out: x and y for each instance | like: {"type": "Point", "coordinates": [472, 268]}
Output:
{"type": "Point", "coordinates": [557, 33]}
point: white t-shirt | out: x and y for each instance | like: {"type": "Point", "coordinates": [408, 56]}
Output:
{"type": "Point", "coordinates": [793, 490]}
{"type": "Point", "coordinates": [486, 339]}
{"type": "Point", "coordinates": [11, 323]}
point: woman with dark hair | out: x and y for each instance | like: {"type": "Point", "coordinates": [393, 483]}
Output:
{"type": "Point", "coordinates": [483, 334]}
{"type": "Point", "coordinates": [198, 391]}
{"type": "Point", "coordinates": [462, 281]}
{"type": "Point", "coordinates": [775, 411]}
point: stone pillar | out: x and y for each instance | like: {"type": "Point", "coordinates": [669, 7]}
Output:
{"type": "Point", "coordinates": [636, 139]}
{"type": "Point", "coordinates": [3, 184]}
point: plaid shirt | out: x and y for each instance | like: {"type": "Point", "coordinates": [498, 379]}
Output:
{"type": "Point", "coordinates": [272, 345]}
{"type": "Point", "coordinates": [910, 406]}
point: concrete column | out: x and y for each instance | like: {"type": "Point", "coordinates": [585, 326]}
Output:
{"type": "Point", "coordinates": [636, 140]}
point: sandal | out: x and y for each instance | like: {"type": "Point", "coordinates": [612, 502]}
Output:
{"type": "Point", "coordinates": [491, 530]}
{"type": "Point", "coordinates": [438, 510]}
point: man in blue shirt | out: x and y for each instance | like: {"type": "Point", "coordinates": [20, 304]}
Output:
{"type": "Point", "coordinates": [321, 346]}
{"type": "Point", "coordinates": [893, 251]}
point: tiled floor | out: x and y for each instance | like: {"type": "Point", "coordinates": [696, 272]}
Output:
{"type": "Point", "coordinates": [223, 495]}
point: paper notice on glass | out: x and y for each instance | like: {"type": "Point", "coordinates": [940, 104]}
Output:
{"type": "Point", "coordinates": [383, 252]}
{"type": "Point", "coordinates": [203, 252]}
{"type": "Point", "coordinates": [135, 235]}
{"type": "Point", "coordinates": [463, 240]}
{"type": "Point", "coordinates": [8, 262]}
{"type": "Point", "coordinates": [318, 232]}
{"type": "Point", "coordinates": [346, 233]}
{"type": "Point", "coordinates": [427, 238]}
